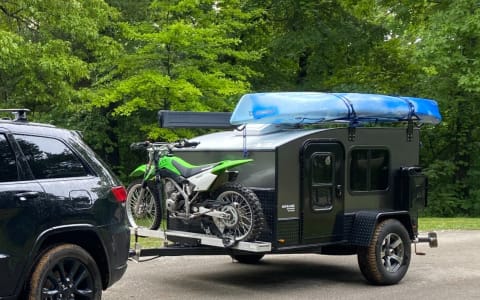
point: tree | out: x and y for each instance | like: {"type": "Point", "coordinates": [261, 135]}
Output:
{"type": "Point", "coordinates": [186, 56]}
{"type": "Point", "coordinates": [48, 49]}
{"type": "Point", "coordinates": [444, 38]}
{"type": "Point", "coordinates": [324, 46]}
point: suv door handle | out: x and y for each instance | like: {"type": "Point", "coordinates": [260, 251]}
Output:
{"type": "Point", "coordinates": [27, 195]}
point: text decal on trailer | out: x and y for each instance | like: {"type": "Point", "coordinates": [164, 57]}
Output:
{"type": "Point", "coordinates": [289, 207]}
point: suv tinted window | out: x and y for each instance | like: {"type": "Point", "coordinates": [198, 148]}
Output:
{"type": "Point", "coordinates": [8, 164]}
{"type": "Point", "coordinates": [50, 158]}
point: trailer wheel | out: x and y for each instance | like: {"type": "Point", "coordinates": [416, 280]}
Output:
{"type": "Point", "coordinates": [143, 212]}
{"type": "Point", "coordinates": [247, 258]}
{"type": "Point", "coordinates": [66, 272]}
{"type": "Point", "coordinates": [385, 261]}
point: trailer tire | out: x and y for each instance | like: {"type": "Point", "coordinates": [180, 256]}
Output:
{"type": "Point", "coordinates": [386, 259]}
{"type": "Point", "coordinates": [250, 259]}
{"type": "Point", "coordinates": [65, 271]}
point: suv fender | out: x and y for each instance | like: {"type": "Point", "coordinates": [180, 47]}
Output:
{"type": "Point", "coordinates": [365, 222]}
{"type": "Point", "coordinates": [83, 235]}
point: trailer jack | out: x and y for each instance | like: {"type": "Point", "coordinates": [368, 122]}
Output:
{"type": "Point", "coordinates": [431, 239]}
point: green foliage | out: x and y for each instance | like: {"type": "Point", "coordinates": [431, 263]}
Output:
{"type": "Point", "coordinates": [49, 49]}
{"type": "Point", "coordinates": [107, 67]}
{"type": "Point", "coordinates": [175, 55]}
{"type": "Point", "coordinates": [429, 224]}
{"type": "Point", "coordinates": [443, 201]}
{"type": "Point", "coordinates": [309, 42]}
{"type": "Point", "coordinates": [448, 51]}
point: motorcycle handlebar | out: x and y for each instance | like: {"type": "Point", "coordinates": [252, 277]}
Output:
{"type": "Point", "coordinates": [183, 143]}
{"type": "Point", "coordinates": [139, 145]}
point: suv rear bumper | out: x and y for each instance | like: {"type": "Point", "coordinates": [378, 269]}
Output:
{"type": "Point", "coordinates": [116, 239]}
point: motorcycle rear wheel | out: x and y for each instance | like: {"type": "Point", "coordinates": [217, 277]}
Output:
{"type": "Point", "coordinates": [143, 212]}
{"type": "Point", "coordinates": [246, 215]}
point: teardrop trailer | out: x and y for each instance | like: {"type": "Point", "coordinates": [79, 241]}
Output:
{"type": "Point", "coordinates": [338, 190]}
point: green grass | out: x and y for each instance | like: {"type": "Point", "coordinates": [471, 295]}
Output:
{"type": "Point", "coordinates": [146, 242]}
{"type": "Point", "coordinates": [428, 224]}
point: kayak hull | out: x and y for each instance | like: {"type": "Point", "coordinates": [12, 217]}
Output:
{"type": "Point", "coordinates": [315, 107]}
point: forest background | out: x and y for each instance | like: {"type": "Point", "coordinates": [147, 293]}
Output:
{"type": "Point", "coordinates": [106, 67]}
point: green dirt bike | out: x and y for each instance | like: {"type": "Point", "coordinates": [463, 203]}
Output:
{"type": "Point", "coordinates": [206, 193]}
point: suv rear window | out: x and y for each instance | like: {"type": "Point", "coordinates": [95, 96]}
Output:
{"type": "Point", "coordinates": [8, 163]}
{"type": "Point", "coordinates": [50, 158]}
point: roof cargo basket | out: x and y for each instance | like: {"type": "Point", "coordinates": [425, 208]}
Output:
{"type": "Point", "coordinates": [20, 113]}
{"type": "Point", "coordinates": [190, 119]}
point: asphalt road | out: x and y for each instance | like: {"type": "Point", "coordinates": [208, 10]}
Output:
{"type": "Point", "coordinates": [451, 271]}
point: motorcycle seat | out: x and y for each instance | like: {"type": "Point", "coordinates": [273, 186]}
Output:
{"type": "Point", "coordinates": [188, 171]}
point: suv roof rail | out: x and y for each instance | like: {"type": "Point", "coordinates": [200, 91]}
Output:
{"type": "Point", "coordinates": [20, 113]}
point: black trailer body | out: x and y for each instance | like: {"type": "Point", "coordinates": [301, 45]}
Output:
{"type": "Point", "coordinates": [339, 190]}
{"type": "Point", "coordinates": [324, 186]}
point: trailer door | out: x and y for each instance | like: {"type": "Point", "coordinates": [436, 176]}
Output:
{"type": "Point", "coordinates": [322, 191]}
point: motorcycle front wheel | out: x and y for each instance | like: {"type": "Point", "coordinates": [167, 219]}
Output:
{"type": "Point", "coordinates": [245, 215]}
{"type": "Point", "coordinates": [143, 211]}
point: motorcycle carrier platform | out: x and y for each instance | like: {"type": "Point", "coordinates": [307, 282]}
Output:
{"type": "Point", "coordinates": [190, 243]}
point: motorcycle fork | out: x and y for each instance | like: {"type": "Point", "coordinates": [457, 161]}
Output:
{"type": "Point", "coordinates": [142, 189]}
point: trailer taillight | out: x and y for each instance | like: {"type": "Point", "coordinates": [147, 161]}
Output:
{"type": "Point", "coordinates": [120, 193]}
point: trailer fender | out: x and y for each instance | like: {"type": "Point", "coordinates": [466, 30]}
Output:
{"type": "Point", "coordinates": [365, 222]}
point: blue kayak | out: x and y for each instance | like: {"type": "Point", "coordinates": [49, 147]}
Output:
{"type": "Point", "coordinates": [315, 107]}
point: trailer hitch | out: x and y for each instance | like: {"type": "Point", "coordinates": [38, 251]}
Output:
{"type": "Point", "coordinates": [134, 254]}
{"type": "Point", "coordinates": [431, 239]}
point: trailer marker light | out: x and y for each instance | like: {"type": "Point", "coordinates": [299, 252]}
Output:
{"type": "Point", "coordinates": [281, 241]}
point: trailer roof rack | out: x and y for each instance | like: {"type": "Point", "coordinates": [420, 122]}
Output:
{"type": "Point", "coordinates": [19, 113]}
{"type": "Point", "coordinates": [190, 119]}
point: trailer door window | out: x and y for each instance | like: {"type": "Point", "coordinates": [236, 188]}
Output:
{"type": "Point", "coordinates": [369, 169]}
{"type": "Point", "coordinates": [321, 166]}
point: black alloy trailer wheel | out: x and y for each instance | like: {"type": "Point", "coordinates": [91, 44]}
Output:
{"type": "Point", "coordinates": [386, 260]}
{"type": "Point", "coordinates": [65, 271]}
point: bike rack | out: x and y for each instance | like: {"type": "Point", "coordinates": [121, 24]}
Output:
{"type": "Point", "coordinates": [190, 243]}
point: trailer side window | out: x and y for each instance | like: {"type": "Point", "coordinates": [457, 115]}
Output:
{"type": "Point", "coordinates": [369, 169]}
{"type": "Point", "coordinates": [321, 166]}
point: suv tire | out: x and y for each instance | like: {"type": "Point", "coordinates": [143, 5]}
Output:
{"type": "Point", "coordinates": [66, 271]}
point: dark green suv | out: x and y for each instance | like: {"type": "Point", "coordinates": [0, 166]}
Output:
{"type": "Point", "coordinates": [63, 229]}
